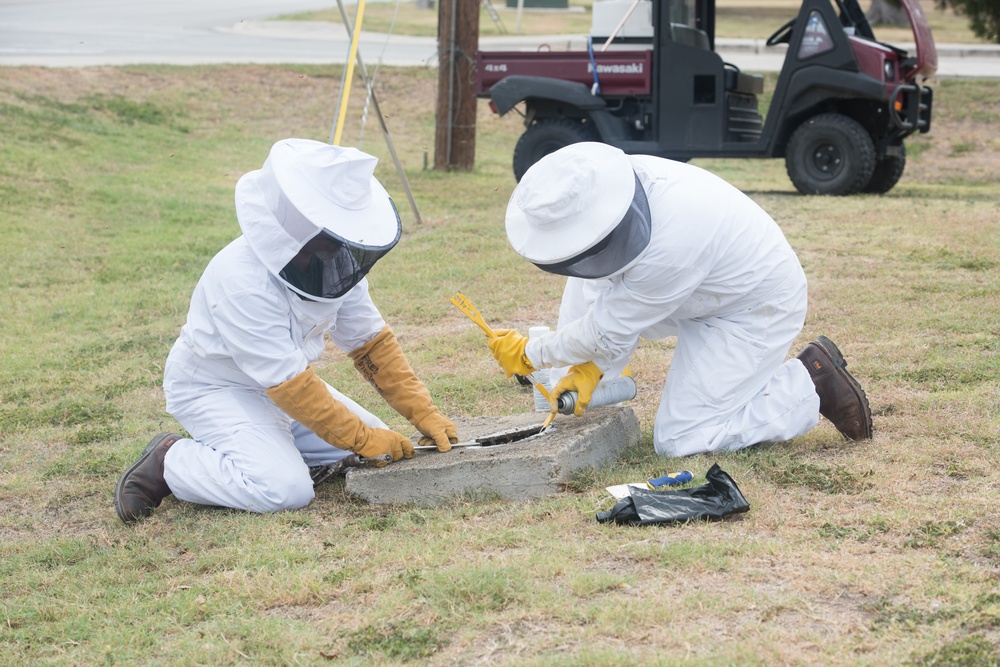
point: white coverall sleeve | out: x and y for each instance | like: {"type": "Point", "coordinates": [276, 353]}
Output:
{"type": "Point", "coordinates": [255, 328]}
{"type": "Point", "coordinates": [613, 323]}
{"type": "Point", "coordinates": [358, 320]}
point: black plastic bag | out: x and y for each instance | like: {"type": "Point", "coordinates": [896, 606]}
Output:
{"type": "Point", "coordinates": [717, 498]}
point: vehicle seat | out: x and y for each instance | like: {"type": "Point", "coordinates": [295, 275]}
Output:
{"type": "Point", "coordinates": [740, 82]}
{"type": "Point", "coordinates": [685, 34]}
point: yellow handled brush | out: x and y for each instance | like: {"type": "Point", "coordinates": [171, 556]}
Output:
{"type": "Point", "coordinates": [463, 303]}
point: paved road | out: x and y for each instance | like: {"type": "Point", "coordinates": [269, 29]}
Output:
{"type": "Point", "coordinates": [77, 33]}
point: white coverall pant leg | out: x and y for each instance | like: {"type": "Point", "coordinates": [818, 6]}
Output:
{"type": "Point", "coordinates": [245, 453]}
{"type": "Point", "coordinates": [729, 385]}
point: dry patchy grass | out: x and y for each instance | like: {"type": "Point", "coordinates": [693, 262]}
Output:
{"type": "Point", "coordinates": [886, 552]}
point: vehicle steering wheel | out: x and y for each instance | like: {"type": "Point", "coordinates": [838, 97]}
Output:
{"type": "Point", "coordinates": [782, 35]}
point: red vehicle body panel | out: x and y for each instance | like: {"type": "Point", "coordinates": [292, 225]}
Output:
{"type": "Point", "coordinates": [618, 72]}
{"type": "Point", "coordinates": [871, 59]}
{"type": "Point", "coordinates": [927, 60]}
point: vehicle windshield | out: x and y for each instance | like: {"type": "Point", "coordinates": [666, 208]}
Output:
{"type": "Point", "coordinates": [683, 12]}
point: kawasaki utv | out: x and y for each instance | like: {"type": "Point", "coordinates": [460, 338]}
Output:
{"type": "Point", "coordinates": [841, 109]}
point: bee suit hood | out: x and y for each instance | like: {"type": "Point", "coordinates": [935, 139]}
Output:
{"type": "Point", "coordinates": [580, 211]}
{"type": "Point", "coordinates": [311, 193]}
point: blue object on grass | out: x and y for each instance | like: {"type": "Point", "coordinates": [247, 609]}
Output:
{"type": "Point", "coordinates": [670, 479]}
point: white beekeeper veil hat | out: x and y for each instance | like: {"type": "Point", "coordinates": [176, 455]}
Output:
{"type": "Point", "coordinates": [309, 192]}
{"type": "Point", "coordinates": [579, 211]}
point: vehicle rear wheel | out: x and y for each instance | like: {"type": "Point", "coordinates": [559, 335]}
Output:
{"type": "Point", "coordinates": [830, 154]}
{"type": "Point", "coordinates": [546, 136]}
{"type": "Point", "coordinates": [888, 171]}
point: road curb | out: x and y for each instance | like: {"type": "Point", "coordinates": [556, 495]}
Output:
{"type": "Point", "coordinates": [324, 30]}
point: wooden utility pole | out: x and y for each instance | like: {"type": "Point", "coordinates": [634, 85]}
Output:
{"type": "Point", "coordinates": [458, 40]}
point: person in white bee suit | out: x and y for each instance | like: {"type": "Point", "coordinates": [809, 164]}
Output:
{"type": "Point", "coordinates": [654, 248]}
{"type": "Point", "coordinates": [240, 377]}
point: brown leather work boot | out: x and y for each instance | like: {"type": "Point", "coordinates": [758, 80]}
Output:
{"type": "Point", "coordinates": [142, 488]}
{"type": "Point", "coordinates": [841, 398]}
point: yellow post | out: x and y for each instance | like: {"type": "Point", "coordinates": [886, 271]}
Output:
{"type": "Point", "coordinates": [342, 113]}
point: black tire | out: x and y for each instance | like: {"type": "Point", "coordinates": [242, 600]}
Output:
{"type": "Point", "coordinates": [830, 154]}
{"type": "Point", "coordinates": [546, 136]}
{"type": "Point", "coordinates": [888, 171]}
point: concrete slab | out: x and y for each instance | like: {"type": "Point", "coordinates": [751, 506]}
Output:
{"type": "Point", "coordinates": [536, 466]}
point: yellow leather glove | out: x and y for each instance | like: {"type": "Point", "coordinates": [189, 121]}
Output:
{"type": "Point", "coordinates": [306, 399]}
{"type": "Point", "coordinates": [385, 441]}
{"type": "Point", "coordinates": [582, 379]}
{"type": "Point", "coordinates": [508, 350]}
{"type": "Point", "coordinates": [438, 430]}
{"type": "Point", "coordinates": [381, 361]}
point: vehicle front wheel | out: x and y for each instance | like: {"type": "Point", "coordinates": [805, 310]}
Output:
{"type": "Point", "coordinates": [888, 171]}
{"type": "Point", "coordinates": [547, 136]}
{"type": "Point", "coordinates": [830, 154]}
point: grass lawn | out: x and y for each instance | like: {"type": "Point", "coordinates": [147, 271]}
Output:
{"type": "Point", "coordinates": [117, 189]}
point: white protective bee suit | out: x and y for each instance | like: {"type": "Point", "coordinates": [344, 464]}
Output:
{"type": "Point", "coordinates": [716, 272]}
{"type": "Point", "coordinates": [249, 330]}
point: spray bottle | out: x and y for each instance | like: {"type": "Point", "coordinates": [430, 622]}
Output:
{"type": "Point", "coordinates": [542, 374]}
{"type": "Point", "coordinates": [608, 392]}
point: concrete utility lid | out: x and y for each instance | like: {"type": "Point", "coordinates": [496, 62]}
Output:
{"type": "Point", "coordinates": [536, 466]}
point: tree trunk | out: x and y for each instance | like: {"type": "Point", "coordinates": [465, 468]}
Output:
{"type": "Point", "coordinates": [458, 40]}
{"type": "Point", "coordinates": [887, 12]}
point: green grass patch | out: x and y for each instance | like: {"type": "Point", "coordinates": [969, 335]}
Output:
{"type": "Point", "coordinates": [405, 643]}
{"type": "Point", "coordinates": [931, 533]}
{"type": "Point", "coordinates": [972, 651]}
{"type": "Point", "coordinates": [820, 478]}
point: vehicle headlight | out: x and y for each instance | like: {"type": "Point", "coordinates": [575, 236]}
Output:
{"type": "Point", "coordinates": [889, 68]}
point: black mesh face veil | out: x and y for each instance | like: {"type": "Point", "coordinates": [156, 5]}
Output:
{"type": "Point", "coordinates": [614, 252]}
{"type": "Point", "coordinates": [328, 266]}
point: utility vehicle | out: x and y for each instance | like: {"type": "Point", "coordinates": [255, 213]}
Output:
{"type": "Point", "coordinates": [840, 111]}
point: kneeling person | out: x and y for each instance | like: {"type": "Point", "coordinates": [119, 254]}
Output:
{"type": "Point", "coordinates": [654, 248]}
{"type": "Point", "coordinates": [240, 379]}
